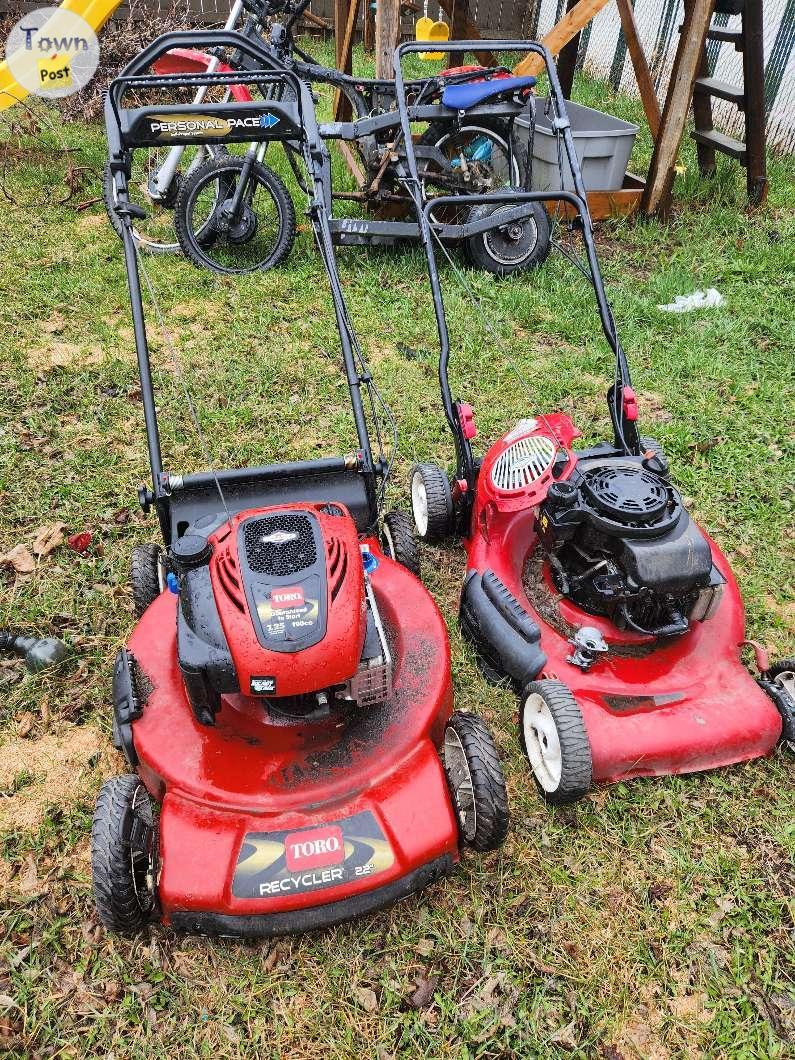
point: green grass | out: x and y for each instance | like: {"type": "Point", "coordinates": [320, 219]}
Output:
{"type": "Point", "coordinates": [652, 920]}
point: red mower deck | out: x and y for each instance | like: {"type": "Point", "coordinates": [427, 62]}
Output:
{"type": "Point", "coordinates": [265, 818]}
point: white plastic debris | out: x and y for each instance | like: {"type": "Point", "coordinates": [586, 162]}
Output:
{"type": "Point", "coordinates": [686, 303]}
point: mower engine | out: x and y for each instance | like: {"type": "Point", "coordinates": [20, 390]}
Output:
{"type": "Point", "coordinates": [620, 544]}
{"type": "Point", "coordinates": [276, 604]}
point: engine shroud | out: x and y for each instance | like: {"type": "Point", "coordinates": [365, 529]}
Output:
{"type": "Point", "coordinates": [274, 603]}
{"type": "Point", "coordinates": [620, 544]}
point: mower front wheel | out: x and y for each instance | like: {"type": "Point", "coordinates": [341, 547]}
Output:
{"type": "Point", "coordinates": [124, 855]}
{"type": "Point", "coordinates": [779, 683]}
{"type": "Point", "coordinates": [476, 781]}
{"type": "Point", "coordinates": [146, 576]}
{"type": "Point", "coordinates": [554, 738]}
{"type": "Point", "coordinates": [431, 502]}
{"type": "Point", "coordinates": [398, 542]}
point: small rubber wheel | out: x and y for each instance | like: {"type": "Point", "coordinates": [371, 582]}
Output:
{"type": "Point", "coordinates": [651, 445]}
{"type": "Point", "coordinates": [555, 741]}
{"type": "Point", "coordinates": [514, 247]}
{"type": "Point", "coordinates": [477, 785]}
{"type": "Point", "coordinates": [780, 686]}
{"type": "Point", "coordinates": [431, 502]}
{"type": "Point", "coordinates": [398, 541]}
{"type": "Point", "coordinates": [260, 236]}
{"type": "Point", "coordinates": [124, 855]}
{"type": "Point", "coordinates": [146, 575]}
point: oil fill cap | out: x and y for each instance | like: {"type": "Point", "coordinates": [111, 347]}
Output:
{"type": "Point", "coordinates": [190, 551]}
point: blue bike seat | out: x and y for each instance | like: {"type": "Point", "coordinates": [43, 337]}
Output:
{"type": "Point", "coordinates": [462, 97]}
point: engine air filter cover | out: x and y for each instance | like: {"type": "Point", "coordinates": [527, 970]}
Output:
{"type": "Point", "coordinates": [523, 463]}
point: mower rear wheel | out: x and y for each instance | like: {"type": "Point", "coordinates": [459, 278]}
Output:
{"type": "Point", "coordinates": [431, 502]}
{"type": "Point", "coordinates": [513, 247]}
{"type": "Point", "coordinates": [553, 736]}
{"type": "Point", "coordinates": [477, 785]}
{"type": "Point", "coordinates": [780, 686]}
{"type": "Point", "coordinates": [146, 575]}
{"type": "Point", "coordinates": [398, 541]}
{"type": "Point", "coordinates": [124, 855]}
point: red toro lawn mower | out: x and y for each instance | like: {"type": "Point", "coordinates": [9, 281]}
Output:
{"type": "Point", "coordinates": [588, 586]}
{"type": "Point", "coordinates": [285, 697]}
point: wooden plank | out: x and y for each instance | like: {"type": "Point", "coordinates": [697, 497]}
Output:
{"type": "Point", "coordinates": [387, 32]}
{"type": "Point", "coordinates": [643, 76]}
{"type": "Point", "coordinates": [568, 27]}
{"type": "Point", "coordinates": [351, 161]}
{"type": "Point", "coordinates": [342, 105]}
{"type": "Point", "coordinates": [657, 196]}
{"type": "Point", "coordinates": [369, 26]}
{"type": "Point", "coordinates": [605, 204]}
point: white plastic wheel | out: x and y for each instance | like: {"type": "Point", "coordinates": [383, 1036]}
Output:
{"type": "Point", "coordinates": [419, 503]}
{"type": "Point", "coordinates": [542, 741]}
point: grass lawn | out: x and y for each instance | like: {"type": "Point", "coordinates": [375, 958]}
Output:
{"type": "Point", "coordinates": [655, 918]}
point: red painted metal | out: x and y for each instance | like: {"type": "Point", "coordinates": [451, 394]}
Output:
{"type": "Point", "coordinates": [252, 772]}
{"type": "Point", "coordinates": [685, 706]}
{"type": "Point", "coordinates": [335, 658]}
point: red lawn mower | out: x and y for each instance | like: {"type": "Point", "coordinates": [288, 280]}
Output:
{"type": "Point", "coordinates": [588, 586]}
{"type": "Point", "coordinates": [285, 697]}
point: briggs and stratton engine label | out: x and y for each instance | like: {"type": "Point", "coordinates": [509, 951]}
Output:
{"type": "Point", "coordinates": [274, 864]}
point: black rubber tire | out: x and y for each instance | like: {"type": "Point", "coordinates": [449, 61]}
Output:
{"type": "Point", "coordinates": [576, 775]}
{"type": "Point", "coordinates": [123, 832]}
{"type": "Point", "coordinates": [399, 542]}
{"type": "Point", "coordinates": [782, 698]}
{"type": "Point", "coordinates": [145, 576]}
{"type": "Point", "coordinates": [194, 247]}
{"type": "Point", "coordinates": [489, 795]}
{"type": "Point", "coordinates": [439, 502]}
{"type": "Point", "coordinates": [481, 249]}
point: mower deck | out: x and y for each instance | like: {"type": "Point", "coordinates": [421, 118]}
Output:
{"type": "Point", "coordinates": [271, 824]}
{"type": "Point", "coordinates": [649, 709]}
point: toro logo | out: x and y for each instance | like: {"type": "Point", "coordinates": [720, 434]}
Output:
{"type": "Point", "coordinates": [314, 848]}
{"type": "Point", "coordinates": [292, 596]}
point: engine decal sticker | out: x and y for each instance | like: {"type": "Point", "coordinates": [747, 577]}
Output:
{"type": "Point", "coordinates": [274, 864]}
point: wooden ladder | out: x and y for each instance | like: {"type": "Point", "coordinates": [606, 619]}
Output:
{"type": "Point", "coordinates": [750, 98]}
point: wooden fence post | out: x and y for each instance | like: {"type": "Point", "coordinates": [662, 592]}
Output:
{"type": "Point", "coordinates": [387, 31]}
{"type": "Point", "coordinates": [657, 193]}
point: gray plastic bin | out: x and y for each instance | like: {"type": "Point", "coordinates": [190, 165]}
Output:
{"type": "Point", "coordinates": [603, 144]}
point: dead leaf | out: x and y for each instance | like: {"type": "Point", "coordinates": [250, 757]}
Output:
{"type": "Point", "coordinates": [28, 882]}
{"type": "Point", "coordinates": [80, 542]}
{"type": "Point", "coordinates": [20, 559]}
{"type": "Point", "coordinates": [48, 538]}
{"type": "Point", "coordinates": [565, 1036]}
{"type": "Point", "coordinates": [425, 947]}
{"type": "Point", "coordinates": [423, 995]}
{"type": "Point", "coordinates": [25, 724]}
{"type": "Point", "coordinates": [366, 998]}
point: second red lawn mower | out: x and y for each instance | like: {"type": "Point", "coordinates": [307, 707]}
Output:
{"type": "Point", "coordinates": [589, 588]}
{"type": "Point", "coordinates": [285, 697]}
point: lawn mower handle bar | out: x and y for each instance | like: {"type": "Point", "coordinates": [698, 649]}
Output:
{"type": "Point", "coordinates": [622, 429]}
{"type": "Point", "coordinates": [319, 167]}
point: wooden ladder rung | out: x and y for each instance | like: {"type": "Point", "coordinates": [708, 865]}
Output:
{"type": "Point", "coordinates": [713, 86]}
{"type": "Point", "coordinates": [728, 36]}
{"type": "Point", "coordinates": [719, 142]}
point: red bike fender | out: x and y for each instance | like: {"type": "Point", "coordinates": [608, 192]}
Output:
{"type": "Point", "coordinates": [189, 61]}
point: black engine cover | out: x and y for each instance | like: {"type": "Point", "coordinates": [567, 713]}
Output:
{"type": "Point", "coordinates": [675, 563]}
